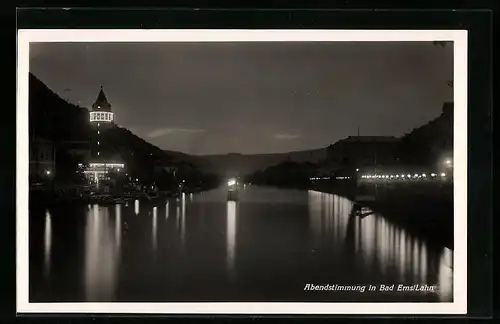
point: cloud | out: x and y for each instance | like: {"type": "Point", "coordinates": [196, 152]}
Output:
{"type": "Point", "coordinates": [285, 136]}
{"type": "Point", "coordinates": [159, 132]}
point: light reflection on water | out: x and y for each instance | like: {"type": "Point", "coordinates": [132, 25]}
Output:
{"type": "Point", "coordinates": [47, 242]}
{"type": "Point", "coordinates": [177, 214]}
{"type": "Point", "coordinates": [101, 254]}
{"type": "Point", "coordinates": [155, 227]}
{"type": "Point", "coordinates": [118, 225]}
{"type": "Point", "coordinates": [379, 244]}
{"type": "Point", "coordinates": [136, 206]}
{"type": "Point", "coordinates": [375, 245]}
{"type": "Point", "coordinates": [231, 235]}
{"type": "Point", "coordinates": [183, 219]}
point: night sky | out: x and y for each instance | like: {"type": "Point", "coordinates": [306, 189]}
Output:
{"type": "Point", "coordinates": [216, 98]}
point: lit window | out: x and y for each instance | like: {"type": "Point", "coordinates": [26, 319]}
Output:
{"type": "Point", "coordinates": [98, 132]}
{"type": "Point", "coordinates": [97, 153]}
{"type": "Point", "coordinates": [97, 142]}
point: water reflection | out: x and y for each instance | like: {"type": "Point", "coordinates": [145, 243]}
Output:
{"type": "Point", "coordinates": [445, 276]}
{"type": "Point", "coordinates": [231, 235]}
{"type": "Point", "coordinates": [177, 214]}
{"type": "Point", "coordinates": [378, 244]}
{"type": "Point", "coordinates": [47, 247]}
{"type": "Point", "coordinates": [328, 215]}
{"type": "Point", "coordinates": [118, 225]}
{"type": "Point", "coordinates": [321, 236]}
{"type": "Point", "coordinates": [155, 229]}
{"type": "Point", "coordinates": [183, 218]}
{"type": "Point", "coordinates": [423, 262]}
{"type": "Point", "coordinates": [136, 206]}
{"type": "Point", "coordinates": [102, 247]}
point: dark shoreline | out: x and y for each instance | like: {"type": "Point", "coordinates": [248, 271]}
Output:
{"type": "Point", "coordinates": [48, 199]}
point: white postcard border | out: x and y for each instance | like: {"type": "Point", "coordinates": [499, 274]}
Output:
{"type": "Point", "coordinates": [459, 38]}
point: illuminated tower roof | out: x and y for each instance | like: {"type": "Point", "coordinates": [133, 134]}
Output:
{"type": "Point", "coordinates": [101, 110]}
{"type": "Point", "coordinates": [101, 103]}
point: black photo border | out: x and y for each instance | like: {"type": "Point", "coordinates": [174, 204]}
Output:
{"type": "Point", "coordinates": [477, 22]}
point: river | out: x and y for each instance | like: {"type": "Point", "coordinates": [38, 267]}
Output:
{"type": "Point", "coordinates": [267, 246]}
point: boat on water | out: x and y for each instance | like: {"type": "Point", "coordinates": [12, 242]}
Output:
{"type": "Point", "coordinates": [233, 189]}
{"type": "Point", "coordinates": [362, 211]}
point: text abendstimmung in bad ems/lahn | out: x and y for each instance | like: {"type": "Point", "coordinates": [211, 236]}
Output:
{"type": "Point", "coordinates": [360, 288]}
{"type": "Point", "coordinates": [363, 288]}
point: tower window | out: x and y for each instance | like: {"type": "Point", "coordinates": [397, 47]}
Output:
{"type": "Point", "coordinates": [97, 153]}
{"type": "Point", "coordinates": [97, 142]}
{"type": "Point", "coordinates": [98, 132]}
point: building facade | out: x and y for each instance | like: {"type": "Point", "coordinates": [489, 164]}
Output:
{"type": "Point", "coordinates": [362, 151]}
{"type": "Point", "coordinates": [42, 160]}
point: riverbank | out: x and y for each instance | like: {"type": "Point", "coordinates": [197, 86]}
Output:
{"type": "Point", "coordinates": [424, 211]}
{"type": "Point", "coordinates": [49, 198]}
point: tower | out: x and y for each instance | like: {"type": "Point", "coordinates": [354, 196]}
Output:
{"type": "Point", "coordinates": [102, 157]}
{"type": "Point", "coordinates": [101, 119]}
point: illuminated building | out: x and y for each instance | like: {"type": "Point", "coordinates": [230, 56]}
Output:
{"type": "Point", "coordinates": [102, 159]}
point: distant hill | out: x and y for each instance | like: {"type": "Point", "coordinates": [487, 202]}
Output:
{"type": "Point", "coordinates": [241, 164]}
{"type": "Point", "coordinates": [288, 173]}
{"type": "Point", "coordinates": [52, 118]}
{"type": "Point", "coordinates": [425, 145]}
